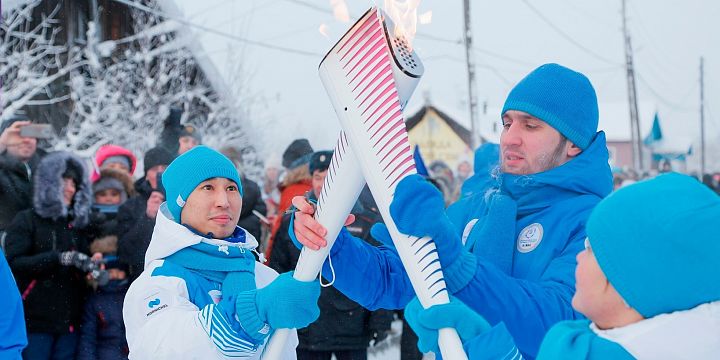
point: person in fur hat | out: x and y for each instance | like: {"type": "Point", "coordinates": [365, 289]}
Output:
{"type": "Point", "coordinates": [47, 251]}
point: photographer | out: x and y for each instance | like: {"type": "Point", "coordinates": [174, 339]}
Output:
{"type": "Point", "coordinates": [47, 249]}
{"type": "Point", "coordinates": [19, 157]}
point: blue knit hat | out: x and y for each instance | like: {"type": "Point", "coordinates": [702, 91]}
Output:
{"type": "Point", "coordinates": [188, 170]}
{"type": "Point", "coordinates": [656, 241]}
{"type": "Point", "coordinates": [561, 97]}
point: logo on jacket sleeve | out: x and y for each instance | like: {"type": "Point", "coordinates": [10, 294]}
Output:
{"type": "Point", "coordinates": [529, 238]}
{"type": "Point", "coordinates": [154, 303]}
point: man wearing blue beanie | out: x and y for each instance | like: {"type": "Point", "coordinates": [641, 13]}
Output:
{"type": "Point", "coordinates": [203, 294]}
{"type": "Point", "coordinates": [508, 249]}
{"type": "Point", "coordinates": [647, 281]}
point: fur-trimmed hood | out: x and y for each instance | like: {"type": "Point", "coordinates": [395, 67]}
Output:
{"type": "Point", "coordinates": [48, 189]}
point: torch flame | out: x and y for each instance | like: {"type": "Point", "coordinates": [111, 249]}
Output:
{"type": "Point", "coordinates": [340, 10]}
{"type": "Point", "coordinates": [323, 29]}
{"type": "Point", "coordinates": [425, 18]}
{"type": "Point", "coordinates": [404, 14]}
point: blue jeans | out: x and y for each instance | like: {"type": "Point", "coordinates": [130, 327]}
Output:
{"type": "Point", "coordinates": [43, 346]}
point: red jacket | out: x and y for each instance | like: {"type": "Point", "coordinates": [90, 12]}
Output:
{"type": "Point", "coordinates": [286, 196]}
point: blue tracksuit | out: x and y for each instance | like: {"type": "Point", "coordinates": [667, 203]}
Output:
{"type": "Point", "coordinates": [13, 338]}
{"type": "Point", "coordinates": [535, 291]}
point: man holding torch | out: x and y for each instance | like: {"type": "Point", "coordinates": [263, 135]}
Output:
{"type": "Point", "coordinates": [508, 252]}
{"type": "Point", "coordinates": [203, 294]}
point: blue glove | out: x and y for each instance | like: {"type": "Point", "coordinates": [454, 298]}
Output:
{"type": "Point", "coordinates": [455, 314]}
{"type": "Point", "coordinates": [284, 303]}
{"type": "Point", "coordinates": [418, 209]}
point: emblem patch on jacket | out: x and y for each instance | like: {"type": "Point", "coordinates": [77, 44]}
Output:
{"type": "Point", "coordinates": [529, 238]}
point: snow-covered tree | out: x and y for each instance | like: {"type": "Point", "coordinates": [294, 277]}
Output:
{"type": "Point", "coordinates": [124, 93]}
{"type": "Point", "coordinates": [31, 60]}
{"type": "Point", "coordinates": [121, 90]}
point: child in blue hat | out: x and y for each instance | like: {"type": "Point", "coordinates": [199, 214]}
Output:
{"type": "Point", "coordinates": [647, 282]}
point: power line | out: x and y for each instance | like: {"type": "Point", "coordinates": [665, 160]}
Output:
{"type": "Point", "coordinates": [220, 33]}
{"type": "Point", "coordinates": [311, 6]}
{"type": "Point", "coordinates": [566, 36]}
{"type": "Point", "coordinates": [662, 99]}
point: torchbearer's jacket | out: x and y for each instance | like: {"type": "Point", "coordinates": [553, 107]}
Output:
{"type": "Point", "coordinates": [171, 312]}
{"type": "Point", "coordinates": [686, 334]}
{"type": "Point", "coordinates": [540, 243]}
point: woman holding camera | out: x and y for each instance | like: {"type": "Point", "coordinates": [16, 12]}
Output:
{"type": "Point", "coordinates": [47, 252]}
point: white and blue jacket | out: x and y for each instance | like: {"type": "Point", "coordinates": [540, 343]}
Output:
{"type": "Point", "coordinates": [170, 312]}
{"type": "Point", "coordinates": [552, 208]}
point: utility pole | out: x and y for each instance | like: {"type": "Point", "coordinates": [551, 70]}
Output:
{"type": "Point", "coordinates": [632, 97]}
{"type": "Point", "coordinates": [470, 60]}
{"type": "Point", "coordinates": [702, 119]}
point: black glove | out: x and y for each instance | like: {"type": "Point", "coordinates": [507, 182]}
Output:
{"type": "Point", "coordinates": [85, 264]}
{"type": "Point", "coordinates": [74, 258]}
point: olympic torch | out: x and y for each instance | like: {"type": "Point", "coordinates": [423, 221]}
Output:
{"type": "Point", "coordinates": [368, 75]}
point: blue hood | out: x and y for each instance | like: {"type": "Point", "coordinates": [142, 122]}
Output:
{"type": "Point", "coordinates": [587, 174]}
{"type": "Point", "coordinates": [486, 161]}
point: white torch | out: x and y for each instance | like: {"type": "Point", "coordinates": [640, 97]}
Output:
{"type": "Point", "coordinates": [368, 76]}
{"type": "Point", "coordinates": [340, 192]}
{"type": "Point", "coordinates": [345, 174]}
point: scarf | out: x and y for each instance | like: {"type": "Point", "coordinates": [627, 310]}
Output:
{"type": "Point", "coordinates": [225, 262]}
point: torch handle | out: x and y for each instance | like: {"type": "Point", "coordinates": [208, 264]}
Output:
{"type": "Point", "coordinates": [450, 345]}
{"type": "Point", "coordinates": [276, 345]}
{"type": "Point", "coordinates": [340, 191]}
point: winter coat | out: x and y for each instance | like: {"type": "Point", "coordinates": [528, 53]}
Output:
{"type": "Point", "coordinates": [52, 294]}
{"type": "Point", "coordinates": [16, 186]}
{"type": "Point", "coordinates": [134, 229]}
{"type": "Point", "coordinates": [13, 337]}
{"type": "Point", "coordinates": [251, 200]}
{"type": "Point", "coordinates": [107, 151]}
{"type": "Point", "coordinates": [170, 311]}
{"type": "Point", "coordinates": [686, 334]}
{"type": "Point", "coordinates": [103, 223]}
{"type": "Point", "coordinates": [102, 335]}
{"type": "Point", "coordinates": [343, 324]}
{"type": "Point", "coordinates": [537, 292]}
{"type": "Point", "coordinates": [287, 193]}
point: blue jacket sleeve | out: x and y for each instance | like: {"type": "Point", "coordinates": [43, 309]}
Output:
{"type": "Point", "coordinates": [374, 277]}
{"type": "Point", "coordinates": [528, 308]}
{"type": "Point", "coordinates": [13, 338]}
{"type": "Point", "coordinates": [493, 344]}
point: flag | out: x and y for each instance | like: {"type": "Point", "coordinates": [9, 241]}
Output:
{"type": "Point", "coordinates": [655, 134]}
{"type": "Point", "coordinates": [419, 163]}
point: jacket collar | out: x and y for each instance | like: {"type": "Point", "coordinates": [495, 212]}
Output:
{"type": "Point", "coordinates": [169, 237]}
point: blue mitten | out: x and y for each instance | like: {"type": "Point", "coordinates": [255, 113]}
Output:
{"type": "Point", "coordinates": [284, 303]}
{"type": "Point", "coordinates": [418, 209]}
{"type": "Point", "coordinates": [455, 314]}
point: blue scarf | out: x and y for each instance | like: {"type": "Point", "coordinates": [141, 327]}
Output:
{"type": "Point", "coordinates": [569, 340]}
{"type": "Point", "coordinates": [232, 266]}
{"type": "Point", "coordinates": [496, 232]}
